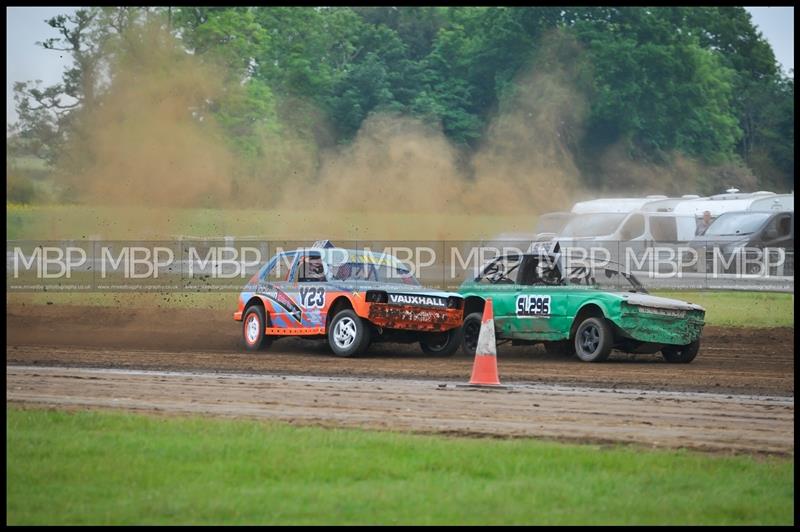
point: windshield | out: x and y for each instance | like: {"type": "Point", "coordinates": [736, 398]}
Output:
{"type": "Point", "coordinates": [593, 225]}
{"type": "Point", "coordinates": [607, 277]}
{"type": "Point", "coordinates": [551, 223]}
{"type": "Point", "coordinates": [381, 273]}
{"type": "Point", "coordinates": [737, 224]}
{"type": "Point", "coordinates": [348, 265]}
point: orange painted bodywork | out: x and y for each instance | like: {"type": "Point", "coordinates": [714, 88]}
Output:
{"type": "Point", "coordinates": [384, 315]}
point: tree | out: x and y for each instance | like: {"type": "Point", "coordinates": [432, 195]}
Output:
{"type": "Point", "coordinates": [702, 82]}
{"type": "Point", "coordinates": [656, 87]}
{"type": "Point", "coordinates": [48, 115]}
{"type": "Point", "coordinates": [44, 112]}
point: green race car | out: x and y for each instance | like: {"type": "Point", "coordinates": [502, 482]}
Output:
{"type": "Point", "coordinates": [588, 310]}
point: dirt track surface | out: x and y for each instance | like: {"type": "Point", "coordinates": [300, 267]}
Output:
{"type": "Point", "coordinates": [737, 396]}
{"type": "Point", "coordinates": [707, 422]}
{"type": "Point", "coordinates": [732, 361]}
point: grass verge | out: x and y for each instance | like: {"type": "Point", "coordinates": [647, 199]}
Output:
{"type": "Point", "coordinates": [741, 309]}
{"type": "Point", "coordinates": [119, 468]}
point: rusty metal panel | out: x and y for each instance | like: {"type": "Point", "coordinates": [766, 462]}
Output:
{"type": "Point", "coordinates": [414, 318]}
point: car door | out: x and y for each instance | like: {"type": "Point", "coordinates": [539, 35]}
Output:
{"type": "Point", "coordinates": [275, 289]}
{"type": "Point", "coordinates": [309, 289]}
{"type": "Point", "coordinates": [498, 281]}
{"type": "Point", "coordinates": [778, 233]}
{"type": "Point", "coordinates": [777, 239]}
{"type": "Point", "coordinates": [540, 302]}
{"type": "Point", "coordinates": [631, 242]}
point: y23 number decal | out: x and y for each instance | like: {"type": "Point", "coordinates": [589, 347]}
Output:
{"type": "Point", "coordinates": [312, 297]}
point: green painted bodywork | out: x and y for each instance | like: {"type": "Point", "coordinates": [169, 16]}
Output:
{"type": "Point", "coordinates": [566, 302]}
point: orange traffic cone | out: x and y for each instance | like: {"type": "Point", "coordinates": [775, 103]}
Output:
{"type": "Point", "coordinates": [484, 371]}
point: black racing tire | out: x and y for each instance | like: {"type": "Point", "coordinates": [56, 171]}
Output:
{"type": "Point", "coordinates": [443, 344]}
{"type": "Point", "coordinates": [563, 348]}
{"type": "Point", "coordinates": [470, 330]}
{"type": "Point", "coordinates": [681, 354]}
{"type": "Point", "coordinates": [348, 335]}
{"type": "Point", "coordinates": [593, 340]}
{"type": "Point", "coordinates": [253, 324]}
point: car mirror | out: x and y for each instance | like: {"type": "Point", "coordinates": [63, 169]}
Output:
{"type": "Point", "coordinates": [771, 233]}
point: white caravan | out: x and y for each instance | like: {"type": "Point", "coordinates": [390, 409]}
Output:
{"type": "Point", "coordinates": [608, 205]}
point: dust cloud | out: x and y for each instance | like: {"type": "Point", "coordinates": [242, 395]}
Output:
{"type": "Point", "coordinates": [526, 164]}
{"type": "Point", "coordinates": [679, 175]}
{"type": "Point", "coordinates": [523, 166]}
{"type": "Point", "coordinates": [146, 141]}
{"type": "Point", "coordinates": [152, 141]}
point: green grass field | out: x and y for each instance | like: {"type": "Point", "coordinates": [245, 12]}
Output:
{"type": "Point", "coordinates": [119, 468]}
{"type": "Point", "coordinates": [57, 222]}
{"type": "Point", "coordinates": [741, 309]}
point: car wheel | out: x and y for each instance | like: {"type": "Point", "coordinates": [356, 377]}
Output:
{"type": "Point", "coordinates": [253, 326]}
{"type": "Point", "coordinates": [348, 335]}
{"type": "Point", "coordinates": [681, 354]}
{"type": "Point", "coordinates": [442, 344]}
{"type": "Point", "coordinates": [470, 330]}
{"type": "Point", "coordinates": [562, 349]}
{"type": "Point", "coordinates": [593, 340]}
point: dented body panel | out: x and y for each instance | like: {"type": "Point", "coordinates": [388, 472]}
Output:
{"type": "Point", "coordinates": [664, 328]}
{"type": "Point", "coordinates": [547, 312]}
{"type": "Point", "coordinates": [414, 318]}
{"type": "Point", "coordinates": [297, 306]}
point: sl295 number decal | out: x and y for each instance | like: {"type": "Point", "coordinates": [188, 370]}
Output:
{"type": "Point", "coordinates": [312, 297]}
{"type": "Point", "coordinates": [530, 306]}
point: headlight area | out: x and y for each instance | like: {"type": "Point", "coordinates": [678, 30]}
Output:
{"type": "Point", "coordinates": [454, 302]}
{"type": "Point", "coordinates": [675, 313]}
{"type": "Point", "coordinates": [661, 325]}
{"type": "Point", "coordinates": [696, 316]}
{"type": "Point", "coordinates": [376, 296]}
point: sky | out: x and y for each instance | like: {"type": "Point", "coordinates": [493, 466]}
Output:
{"type": "Point", "coordinates": [27, 61]}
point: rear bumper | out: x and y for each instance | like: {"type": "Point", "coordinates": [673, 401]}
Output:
{"type": "Point", "coordinates": [237, 315]}
{"type": "Point", "coordinates": [414, 318]}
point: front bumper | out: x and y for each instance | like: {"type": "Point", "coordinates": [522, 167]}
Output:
{"type": "Point", "coordinates": [662, 329]}
{"type": "Point", "coordinates": [414, 318]}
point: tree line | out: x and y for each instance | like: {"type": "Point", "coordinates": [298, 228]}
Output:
{"type": "Point", "coordinates": [699, 81]}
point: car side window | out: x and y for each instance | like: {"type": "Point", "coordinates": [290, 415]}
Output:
{"type": "Point", "coordinates": [538, 271]}
{"type": "Point", "coordinates": [279, 269]}
{"type": "Point", "coordinates": [663, 229]}
{"type": "Point", "coordinates": [262, 276]}
{"type": "Point", "coordinates": [503, 270]}
{"type": "Point", "coordinates": [527, 274]}
{"type": "Point", "coordinates": [633, 228]}
{"type": "Point", "coordinates": [784, 226]}
{"type": "Point", "coordinates": [310, 269]}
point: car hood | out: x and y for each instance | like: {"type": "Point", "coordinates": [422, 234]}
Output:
{"type": "Point", "coordinates": [646, 300]}
{"type": "Point", "coordinates": [727, 239]}
{"type": "Point", "coordinates": [567, 239]}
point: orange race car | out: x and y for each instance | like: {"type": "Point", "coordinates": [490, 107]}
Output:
{"type": "Point", "coordinates": [351, 297]}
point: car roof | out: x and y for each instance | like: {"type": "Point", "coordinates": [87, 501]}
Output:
{"type": "Point", "coordinates": [352, 254]}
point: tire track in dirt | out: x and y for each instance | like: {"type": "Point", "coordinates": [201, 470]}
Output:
{"type": "Point", "coordinates": [700, 421]}
{"type": "Point", "coordinates": [739, 361]}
